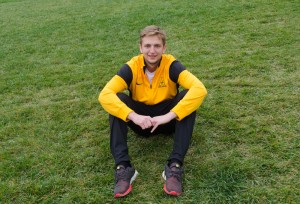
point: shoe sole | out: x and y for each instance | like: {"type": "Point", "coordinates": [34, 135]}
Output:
{"type": "Point", "coordinates": [164, 175]}
{"type": "Point", "coordinates": [119, 195]}
{"type": "Point", "coordinates": [172, 193]}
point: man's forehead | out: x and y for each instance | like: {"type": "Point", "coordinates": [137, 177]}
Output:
{"type": "Point", "coordinates": [152, 40]}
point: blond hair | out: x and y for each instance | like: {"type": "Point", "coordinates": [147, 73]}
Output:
{"type": "Point", "coordinates": [153, 30]}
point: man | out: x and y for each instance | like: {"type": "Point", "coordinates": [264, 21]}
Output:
{"type": "Point", "coordinates": [154, 106]}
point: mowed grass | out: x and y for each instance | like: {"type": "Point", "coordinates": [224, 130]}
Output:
{"type": "Point", "coordinates": [56, 56]}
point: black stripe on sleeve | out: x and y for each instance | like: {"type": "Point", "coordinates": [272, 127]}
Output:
{"type": "Point", "coordinates": [126, 74]}
{"type": "Point", "coordinates": [175, 69]}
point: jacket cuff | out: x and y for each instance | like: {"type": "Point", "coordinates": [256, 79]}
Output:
{"type": "Point", "coordinates": [124, 113]}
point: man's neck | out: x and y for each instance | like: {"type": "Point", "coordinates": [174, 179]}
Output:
{"type": "Point", "coordinates": [152, 67]}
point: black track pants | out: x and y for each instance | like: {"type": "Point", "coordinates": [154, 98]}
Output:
{"type": "Point", "coordinates": [183, 129]}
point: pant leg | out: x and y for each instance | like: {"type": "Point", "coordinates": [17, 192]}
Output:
{"type": "Point", "coordinates": [183, 132]}
{"type": "Point", "coordinates": [182, 137]}
{"type": "Point", "coordinates": [118, 139]}
{"type": "Point", "coordinates": [119, 129]}
{"type": "Point", "coordinates": [118, 134]}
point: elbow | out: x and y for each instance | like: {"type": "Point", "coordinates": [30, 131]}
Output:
{"type": "Point", "coordinates": [101, 97]}
{"type": "Point", "coordinates": [202, 91]}
{"type": "Point", "coordinates": [205, 92]}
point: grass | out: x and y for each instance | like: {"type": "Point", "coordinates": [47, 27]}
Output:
{"type": "Point", "coordinates": [57, 55]}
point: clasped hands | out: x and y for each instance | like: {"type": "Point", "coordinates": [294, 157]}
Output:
{"type": "Point", "coordinates": [146, 121]}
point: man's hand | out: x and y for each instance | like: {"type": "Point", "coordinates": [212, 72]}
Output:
{"type": "Point", "coordinates": [162, 119]}
{"type": "Point", "coordinates": [141, 120]}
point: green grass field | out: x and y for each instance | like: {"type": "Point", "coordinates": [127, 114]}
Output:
{"type": "Point", "coordinates": [56, 56]}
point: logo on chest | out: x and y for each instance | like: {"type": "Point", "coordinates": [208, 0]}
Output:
{"type": "Point", "coordinates": [162, 83]}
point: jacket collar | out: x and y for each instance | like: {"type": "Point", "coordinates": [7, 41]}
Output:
{"type": "Point", "coordinates": [144, 63]}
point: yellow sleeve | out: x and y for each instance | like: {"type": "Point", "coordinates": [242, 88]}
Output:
{"type": "Point", "coordinates": [193, 98]}
{"type": "Point", "coordinates": [111, 102]}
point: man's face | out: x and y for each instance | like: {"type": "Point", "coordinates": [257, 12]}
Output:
{"type": "Point", "coordinates": [152, 47]}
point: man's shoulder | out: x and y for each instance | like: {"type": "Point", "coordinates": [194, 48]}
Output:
{"type": "Point", "coordinates": [167, 60]}
{"type": "Point", "coordinates": [168, 57]}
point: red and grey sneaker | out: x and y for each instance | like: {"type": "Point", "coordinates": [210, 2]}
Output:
{"type": "Point", "coordinates": [173, 177]}
{"type": "Point", "coordinates": [123, 180]}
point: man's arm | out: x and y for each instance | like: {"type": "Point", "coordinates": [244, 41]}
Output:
{"type": "Point", "coordinates": [111, 102]}
{"type": "Point", "coordinates": [193, 98]}
{"type": "Point", "coordinates": [108, 96]}
{"type": "Point", "coordinates": [196, 90]}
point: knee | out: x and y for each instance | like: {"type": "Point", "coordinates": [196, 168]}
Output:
{"type": "Point", "coordinates": [182, 94]}
{"type": "Point", "coordinates": [123, 97]}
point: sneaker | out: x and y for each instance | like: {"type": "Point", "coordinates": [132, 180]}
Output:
{"type": "Point", "coordinates": [123, 180]}
{"type": "Point", "coordinates": [173, 177]}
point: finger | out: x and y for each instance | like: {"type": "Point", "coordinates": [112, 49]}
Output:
{"type": "Point", "coordinates": [149, 123]}
{"type": "Point", "coordinates": [154, 127]}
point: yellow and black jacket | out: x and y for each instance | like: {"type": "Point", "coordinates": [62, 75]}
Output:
{"type": "Point", "coordinates": [168, 77]}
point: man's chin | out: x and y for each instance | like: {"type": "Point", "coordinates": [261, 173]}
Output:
{"type": "Point", "coordinates": [153, 62]}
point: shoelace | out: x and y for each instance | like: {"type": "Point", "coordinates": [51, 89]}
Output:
{"type": "Point", "coordinates": [120, 175]}
{"type": "Point", "coordinates": [176, 174]}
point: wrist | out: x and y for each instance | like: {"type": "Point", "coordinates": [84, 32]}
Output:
{"type": "Point", "coordinates": [172, 115]}
{"type": "Point", "coordinates": [130, 115]}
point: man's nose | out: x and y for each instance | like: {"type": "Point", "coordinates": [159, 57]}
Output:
{"type": "Point", "coordinates": [152, 49]}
